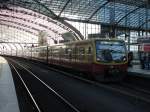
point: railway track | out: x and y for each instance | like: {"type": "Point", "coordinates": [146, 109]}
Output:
{"type": "Point", "coordinates": [41, 94]}
{"type": "Point", "coordinates": [138, 94]}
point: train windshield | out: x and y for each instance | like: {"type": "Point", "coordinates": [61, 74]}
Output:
{"type": "Point", "coordinates": [108, 51]}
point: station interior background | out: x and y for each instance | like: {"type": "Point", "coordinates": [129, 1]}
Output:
{"type": "Point", "coordinates": [24, 23]}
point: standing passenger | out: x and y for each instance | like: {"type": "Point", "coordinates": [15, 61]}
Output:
{"type": "Point", "coordinates": [130, 58]}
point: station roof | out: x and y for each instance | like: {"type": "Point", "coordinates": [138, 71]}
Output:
{"type": "Point", "coordinates": [120, 13]}
{"type": "Point", "coordinates": [133, 14]}
{"type": "Point", "coordinates": [33, 16]}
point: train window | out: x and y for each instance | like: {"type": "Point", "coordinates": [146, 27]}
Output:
{"type": "Point", "coordinates": [74, 53]}
{"type": "Point", "coordinates": [67, 50]}
{"type": "Point", "coordinates": [89, 50]}
{"type": "Point", "coordinates": [81, 50]}
{"type": "Point", "coordinates": [76, 50]}
{"type": "Point", "coordinates": [107, 51]}
{"type": "Point", "coordinates": [81, 55]}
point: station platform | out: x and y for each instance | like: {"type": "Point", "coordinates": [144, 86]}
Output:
{"type": "Point", "coordinates": [136, 70]}
{"type": "Point", "coordinates": [8, 98]}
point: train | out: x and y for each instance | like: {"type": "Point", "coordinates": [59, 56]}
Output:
{"type": "Point", "coordinates": [99, 59]}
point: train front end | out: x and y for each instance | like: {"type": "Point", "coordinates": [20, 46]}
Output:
{"type": "Point", "coordinates": [110, 63]}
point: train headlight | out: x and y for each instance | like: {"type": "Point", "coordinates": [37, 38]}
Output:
{"type": "Point", "coordinates": [98, 59]}
{"type": "Point", "coordinates": [124, 58]}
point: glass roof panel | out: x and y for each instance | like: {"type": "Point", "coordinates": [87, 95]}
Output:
{"type": "Point", "coordinates": [26, 20]}
{"type": "Point", "coordinates": [101, 11]}
{"type": "Point", "coordinates": [23, 14]}
{"type": "Point", "coordinates": [82, 10]}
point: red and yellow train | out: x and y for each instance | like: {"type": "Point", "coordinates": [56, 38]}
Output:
{"type": "Point", "coordinates": [101, 59]}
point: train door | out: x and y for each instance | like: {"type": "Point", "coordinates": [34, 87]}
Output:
{"type": "Point", "coordinates": [82, 54]}
{"type": "Point", "coordinates": [73, 54]}
{"type": "Point", "coordinates": [61, 53]}
{"type": "Point", "coordinates": [88, 54]}
{"type": "Point", "coordinates": [68, 54]}
{"type": "Point", "coordinates": [49, 54]}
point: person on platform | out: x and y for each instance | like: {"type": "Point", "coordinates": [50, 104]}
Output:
{"type": "Point", "coordinates": [130, 58]}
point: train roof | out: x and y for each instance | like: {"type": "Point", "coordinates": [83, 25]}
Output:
{"type": "Point", "coordinates": [91, 40]}
{"type": "Point", "coordinates": [84, 41]}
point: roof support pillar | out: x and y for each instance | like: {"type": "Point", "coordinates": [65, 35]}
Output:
{"type": "Point", "coordinates": [146, 14]}
{"type": "Point", "coordinates": [16, 49]}
{"type": "Point", "coordinates": [112, 22]}
{"type": "Point", "coordinates": [1, 50]}
{"type": "Point", "coordinates": [4, 47]}
{"type": "Point", "coordinates": [127, 37]}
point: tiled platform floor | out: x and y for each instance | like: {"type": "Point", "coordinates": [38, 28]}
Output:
{"type": "Point", "coordinates": [8, 98]}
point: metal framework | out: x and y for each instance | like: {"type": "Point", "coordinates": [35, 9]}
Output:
{"type": "Point", "coordinates": [130, 12]}
{"type": "Point", "coordinates": [100, 7]}
{"type": "Point", "coordinates": [64, 7]}
{"type": "Point", "coordinates": [87, 10]}
{"type": "Point", "coordinates": [52, 15]}
{"type": "Point", "coordinates": [146, 22]}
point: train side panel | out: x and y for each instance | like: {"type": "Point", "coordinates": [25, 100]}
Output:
{"type": "Point", "coordinates": [75, 56]}
{"type": "Point", "coordinates": [80, 56]}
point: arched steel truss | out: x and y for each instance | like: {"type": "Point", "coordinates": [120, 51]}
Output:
{"type": "Point", "coordinates": [37, 6]}
{"type": "Point", "coordinates": [30, 20]}
{"type": "Point", "coordinates": [11, 18]}
{"type": "Point", "coordinates": [146, 22]}
{"type": "Point", "coordinates": [89, 11]}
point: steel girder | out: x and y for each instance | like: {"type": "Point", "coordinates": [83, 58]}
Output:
{"type": "Point", "coordinates": [39, 7]}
